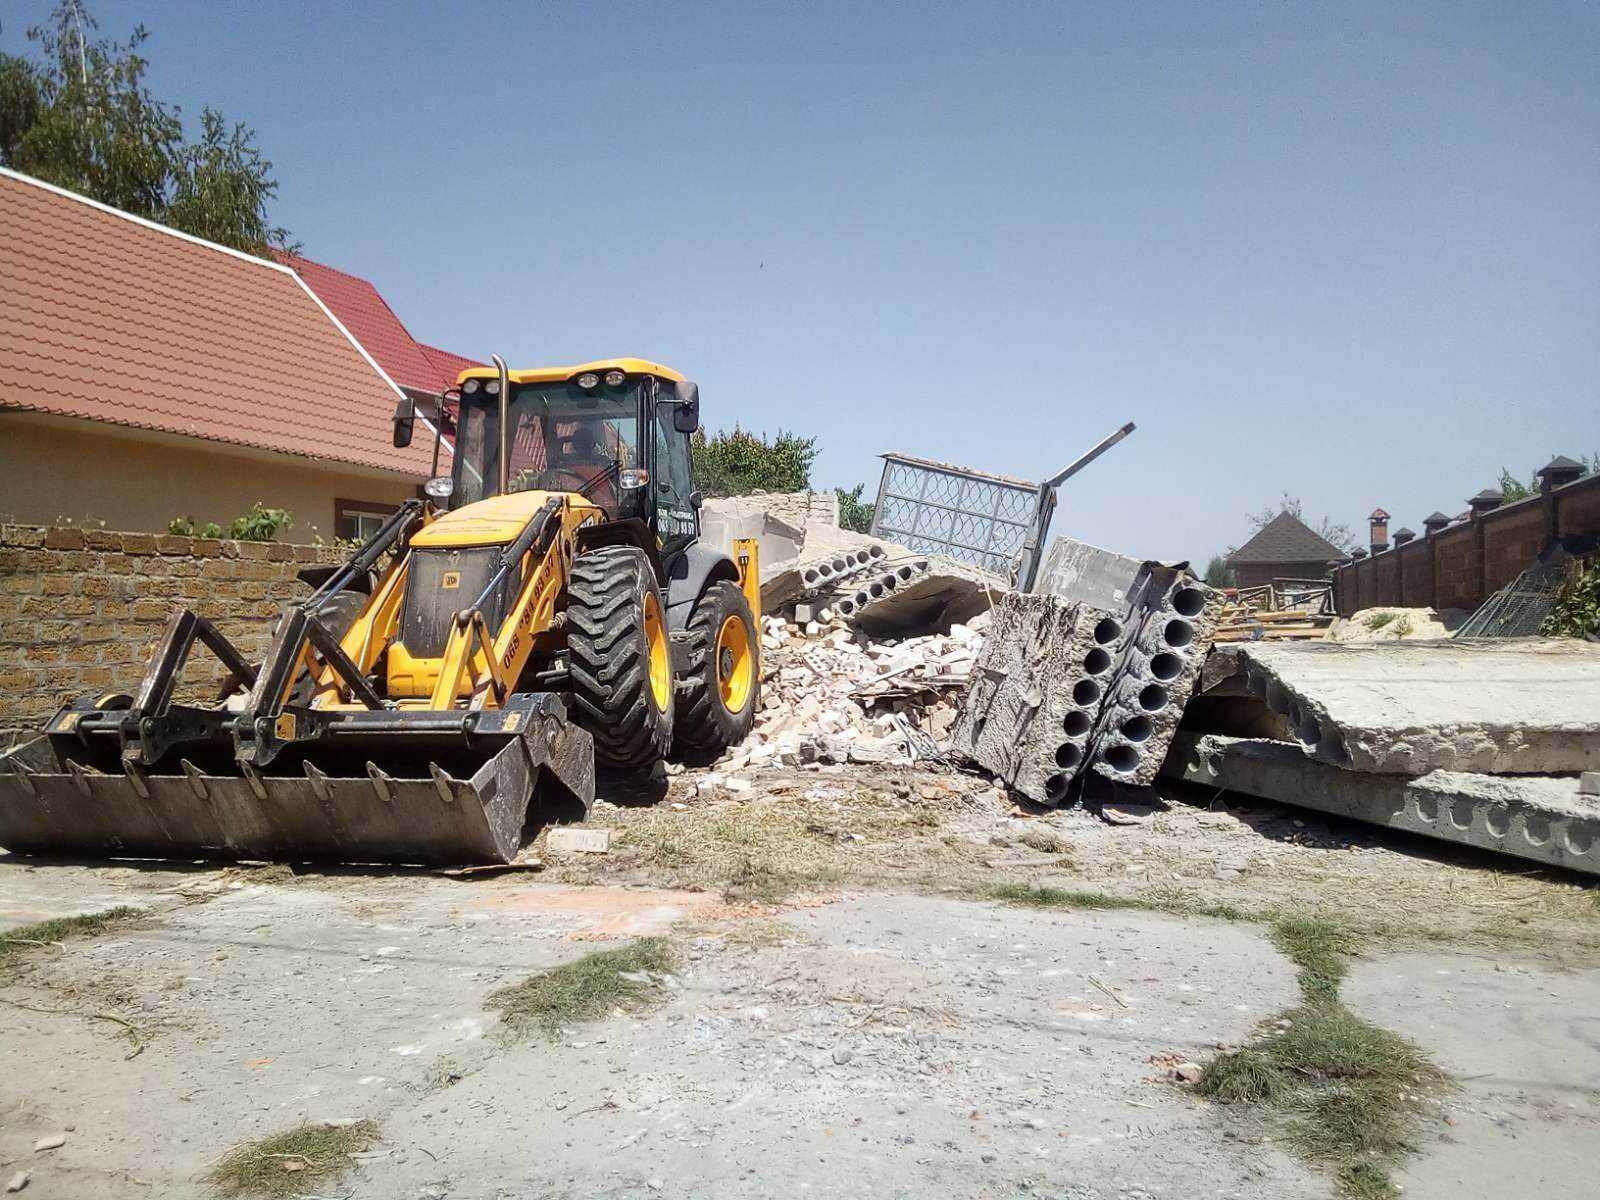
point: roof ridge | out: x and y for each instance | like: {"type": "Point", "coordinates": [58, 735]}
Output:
{"type": "Point", "coordinates": [69, 194]}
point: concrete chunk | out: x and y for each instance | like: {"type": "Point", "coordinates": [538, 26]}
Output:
{"type": "Point", "coordinates": [1524, 706]}
{"type": "Point", "coordinates": [1030, 702]}
{"type": "Point", "coordinates": [573, 840]}
{"type": "Point", "coordinates": [1540, 818]}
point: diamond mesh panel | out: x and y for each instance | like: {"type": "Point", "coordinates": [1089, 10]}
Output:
{"type": "Point", "coordinates": [943, 510]}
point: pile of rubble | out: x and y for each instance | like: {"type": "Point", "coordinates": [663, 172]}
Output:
{"type": "Point", "coordinates": [830, 694]}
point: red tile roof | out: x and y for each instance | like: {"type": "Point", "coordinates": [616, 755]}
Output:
{"type": "Point", "coordinates": [447, 364]}
{"type": "Point", "coordinates": [367, 315]}
{"type": "Point", "coordinates": [108, 317]}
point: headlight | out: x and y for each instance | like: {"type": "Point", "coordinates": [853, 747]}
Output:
{"type": "Point", "coordinates": [492, 387]}
{"type": "Point", "coordinates": [439, 487]}
{"type": "Point", "coordinates": [588, 381]}
{"type": "Point", "coordinates": [614, 378]}
{"type": "Point", "coordinates": [469, 387]}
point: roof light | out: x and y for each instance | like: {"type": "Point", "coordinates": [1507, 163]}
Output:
{"type": "Point", "coordinates": [492, 387]}
{"type": "Point", "coordinates": [588, 381]}
{"type": "Point", "coordinates": [469, 387]}
{"type": "Point", "coordinates": [633, 477]}
{"type": "Point", "coordinates": [614, 378]}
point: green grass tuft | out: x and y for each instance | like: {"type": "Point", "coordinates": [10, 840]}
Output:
{"type": "Point", "coordinates": [584, 990]}
{"type": "Point", "coordinates": [1320, 949]}
{"type": "Point", "coordinates": [284, 1165]}
{"type": "Point", "coordinates": [25, 938]}
{"type": "Point", "coordinates": [1245, 1076]}
{"type": "Point", "coordinates": [1349, 1088]}
{"type": "Point", "coordinates": [1376, 621]}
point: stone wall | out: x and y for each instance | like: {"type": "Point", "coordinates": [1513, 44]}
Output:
{"type": "Point", "coordinates": [1463, 564]}
{"type": "Point", "coordinates": [81, 609]}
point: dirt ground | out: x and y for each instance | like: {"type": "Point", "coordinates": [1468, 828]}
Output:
{"type": "Point", "coordinates": [852, 1014]}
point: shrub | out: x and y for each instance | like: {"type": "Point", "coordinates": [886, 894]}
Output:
{"type": "Point", "coordinates": [737, 462]}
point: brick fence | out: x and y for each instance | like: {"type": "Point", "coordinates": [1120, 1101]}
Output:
{"type": "Point", "coordinates": [81, 609]}
{"type": "Point", "coordinates": [1463, 564]}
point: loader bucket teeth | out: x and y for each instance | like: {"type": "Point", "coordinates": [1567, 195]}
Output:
{"type": "Point", "coordinates": [436, 794]}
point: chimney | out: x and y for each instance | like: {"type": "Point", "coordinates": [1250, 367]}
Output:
{"type": "Point", "coordinates": [1357, 554]}
{"type": "Point", "coordinates": [1434, 523]}
{"type": "Point", "coordinates": [1378, 523]}
{"type": "Point", "coordinates": [1486, 501]}
{"type": "Point", "coordinates": [1559, 472]}
{"type": "Point", "coordinates": [1403, 535]}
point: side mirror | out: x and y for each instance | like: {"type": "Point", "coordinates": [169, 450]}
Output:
{"type": "Point", "coordinates": [697, 499]}
{"type": "Point", "coordinates": [405, 421]}
{"type": "Point", "coordinates": [686, 417]}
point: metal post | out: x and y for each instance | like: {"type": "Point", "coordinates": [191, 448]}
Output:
{"type": "Point", "coordinates": [1033, 548]}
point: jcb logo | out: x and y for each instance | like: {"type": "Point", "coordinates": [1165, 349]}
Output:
{"type": "Point", "coordinates": [450, 581]}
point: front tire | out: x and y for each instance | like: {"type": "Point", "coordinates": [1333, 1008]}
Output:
{"type": "Point", "coordinates": [619, 658]}
{"type": "Point", "coordinates": [719, 694]}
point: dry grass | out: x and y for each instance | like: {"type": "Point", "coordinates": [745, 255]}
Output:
{"type": "Point", "coordinates": [767, 851]}
{"type": "Point", "coordinates": [584, 990]}
{"type": "Point", "coordinates": [1171, 901]}
{"type": "Point", "coordinates": [287, 1164]}
{"type": "Point", "coordinates": [1045, 841]}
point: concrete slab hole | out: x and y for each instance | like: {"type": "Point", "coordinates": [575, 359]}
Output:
{"type": "Point", "coordinates": [1461, 814]}
{"type": "Point", "coordinates": [1166, 667]}
{"type": "Point", "coordinates": [1108, 630]}
{"type": "Point", "coordinates": [1178, 633]}
{"type": "Point", "coordinates": [1068, 755]}
{"type": "Point", "coordinates": [1137, 729]}
{"type": "Point", "coordinates": [1087, 692]}
{"type": "Point", "coordinates": [1152, 697]}
{"type": "Point", "coordinates": [1097, 661]}
{"type": "Point", "coordinates": [1580, 839]}
{"type": "Point", "coordinates": [1536, 828]}
{"type": "Point", "coordinates": [1055, 788]}
{"type": "Point", "coordinates": [1188, 601]}
{"type": "Point", "coordinates": [1498, 821]}
{"type": "Point", "coordinates": [1122, 757]}
{"type": "Point", "coordinates": [1076, 724]}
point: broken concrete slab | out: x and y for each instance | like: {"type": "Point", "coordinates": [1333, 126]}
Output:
{"type": "Point", "coordinates": [724, 519]}
{"type": "Point", "coordinates": [1168, 631]}
{"type": "Point", "coordinates": [1088, 574]}
{"type": "Point", "coordinates": [1528, 706]}
{"type": "Point", "coordinates": [916, 595]}
{"type": "Point", "coordinates": [1033, 694]}
{"type": "Point", "coordinates": [1540, 818]}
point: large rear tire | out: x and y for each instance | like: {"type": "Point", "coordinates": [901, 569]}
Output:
{"type": "Point", "coordinates": [719, 694]}
{"type": "Point", "coordinates": [620, 660]}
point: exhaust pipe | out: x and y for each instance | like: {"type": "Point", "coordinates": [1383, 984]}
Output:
{"type": "Point", "coordinates": [505, 422]}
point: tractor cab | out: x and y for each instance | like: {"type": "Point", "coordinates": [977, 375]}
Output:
{"type": "Point", "coordinates": [615, 433]}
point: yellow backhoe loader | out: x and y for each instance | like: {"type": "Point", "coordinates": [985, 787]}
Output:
{"type": "Point", "coordinates": [451, 685]}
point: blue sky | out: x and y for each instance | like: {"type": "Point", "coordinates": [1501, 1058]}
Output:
{"type": "Point", "coordinates": [1348, 251]}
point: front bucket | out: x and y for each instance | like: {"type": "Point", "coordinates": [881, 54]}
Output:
{"type": "Point", "coordinates": [375, 817]}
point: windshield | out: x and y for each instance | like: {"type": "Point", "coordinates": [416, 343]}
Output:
{"type": "Point", "coordinates": [563, 438]}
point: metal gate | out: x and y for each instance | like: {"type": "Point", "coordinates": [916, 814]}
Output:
{"type": "Point", "coordinates": [971, 516]}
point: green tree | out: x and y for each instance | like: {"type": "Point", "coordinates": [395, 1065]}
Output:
{"type": "Point", "coordinates": [78, 115]}
{"type": "Point", "coordinates": [854, 512]}
{"type": "Point", "coordinates": [1218, 573]}
{"type": "Point", "coordinates": [1513, 489]}
{"type": "Point", "coordinates": [736, 462]}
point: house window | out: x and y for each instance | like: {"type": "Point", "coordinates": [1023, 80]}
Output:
{"type": "Point", "coordinates": [359, 519]}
